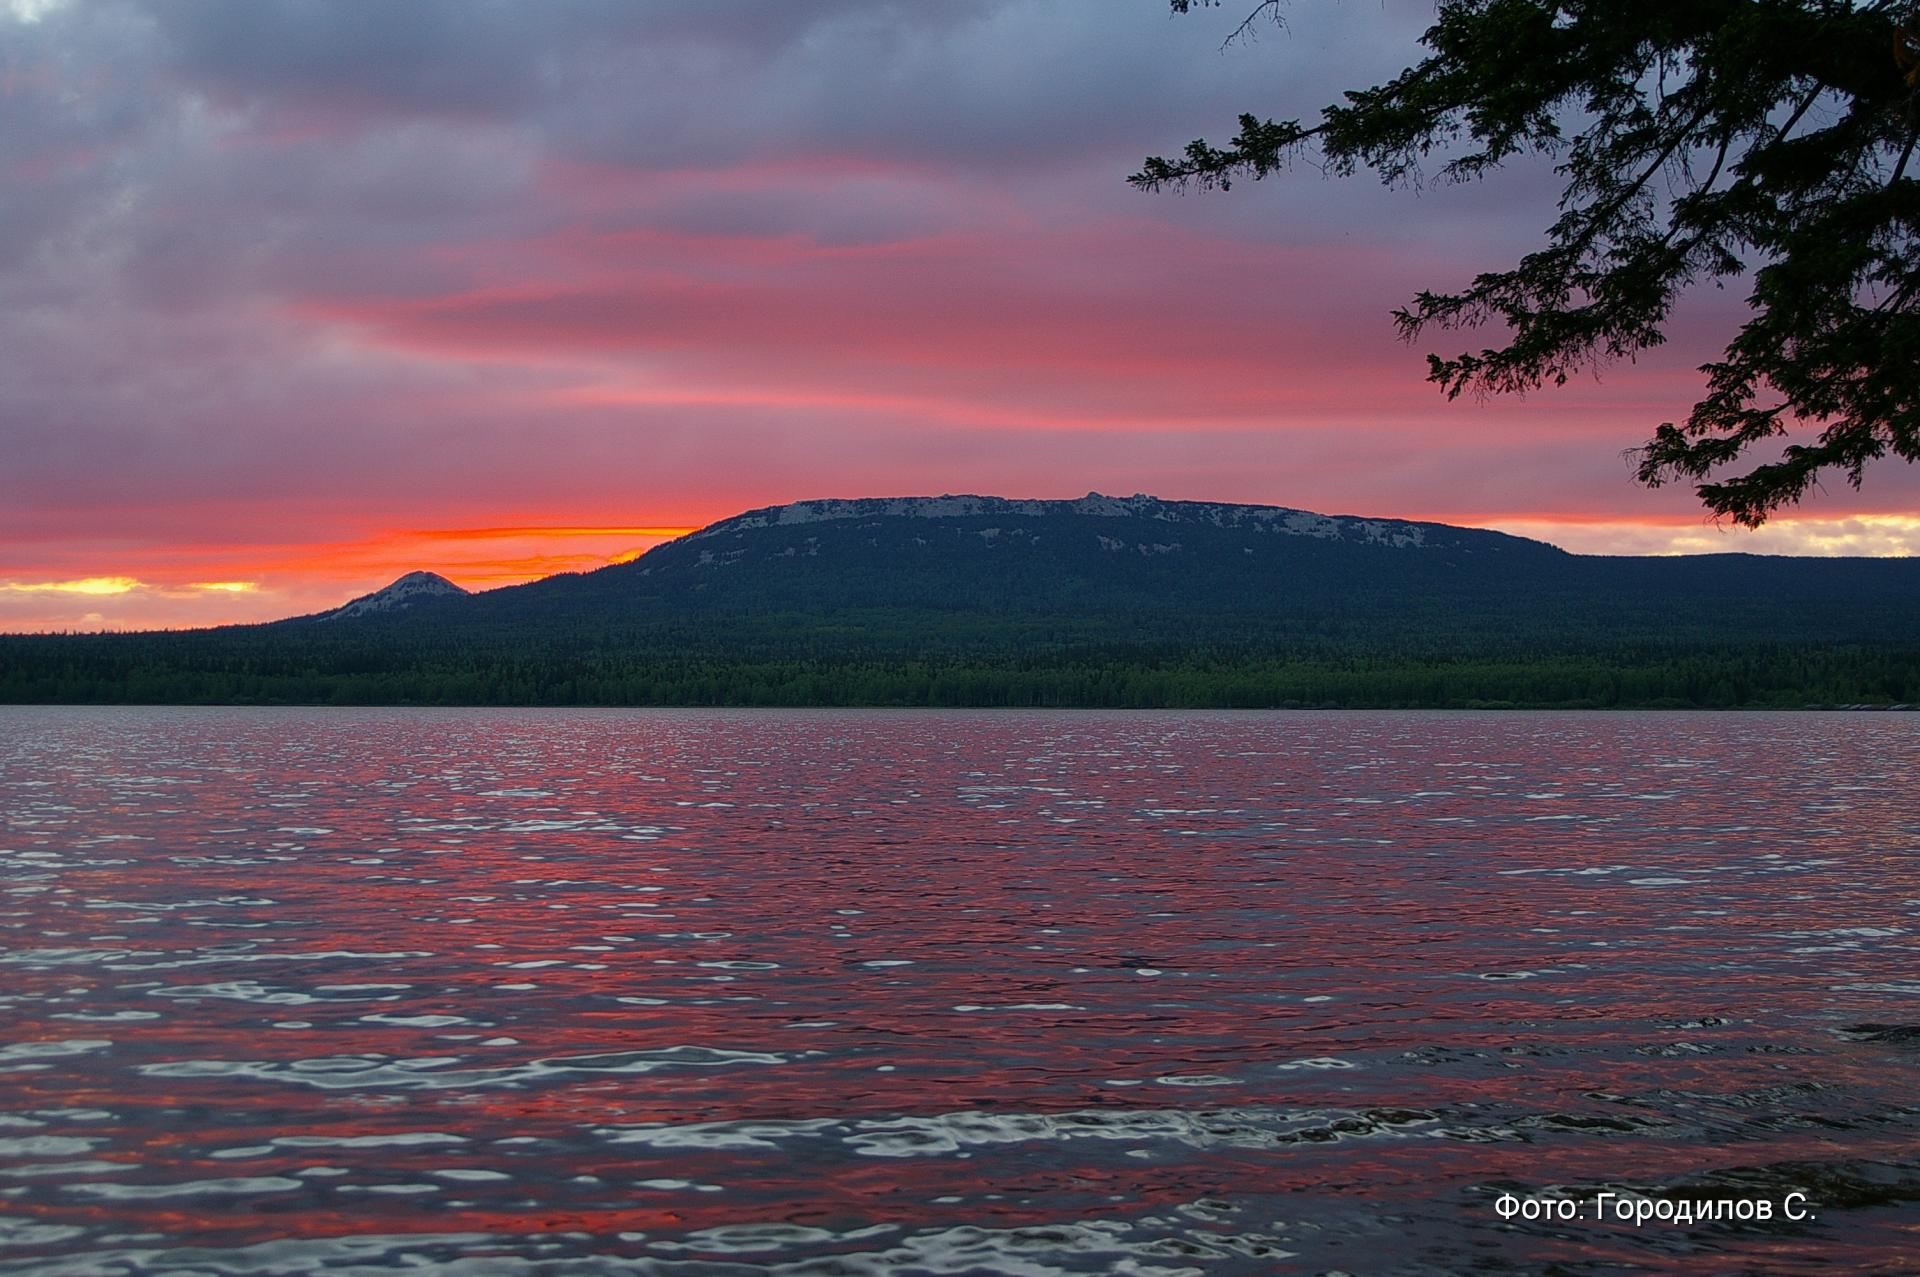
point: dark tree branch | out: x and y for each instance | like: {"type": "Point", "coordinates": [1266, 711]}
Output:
{"type": "Point", "coordinates": [1812, 215]}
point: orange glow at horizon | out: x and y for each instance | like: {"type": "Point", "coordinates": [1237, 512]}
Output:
{"type": "Point", "coordinates": [167, 587]}
{"type": "Point", "coordinates": [480, 534]}
{"type": "Point", "coordinates": [267, 582]}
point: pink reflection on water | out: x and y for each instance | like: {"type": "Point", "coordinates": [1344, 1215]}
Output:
{"type": "Point", "coordinates": [337, 974]}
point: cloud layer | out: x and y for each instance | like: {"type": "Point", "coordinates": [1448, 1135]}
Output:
{"type": "Point", "coordinates": [283, 284]}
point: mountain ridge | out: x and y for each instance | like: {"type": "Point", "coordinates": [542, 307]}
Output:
{"type": "Point", "coordinates": [1122, 601]}
{"type": "Point", "coordinates": [1095, 504]}
{"type": "Point", "coordinates": [996, 555]}
{"type": "Point", "coordinates": [1174, 568]}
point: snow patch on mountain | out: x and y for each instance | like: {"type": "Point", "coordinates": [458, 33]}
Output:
{"type": "Point", "coordinates": [414, 587]}
{"type": "Point", "coordinates": [1256, 518]}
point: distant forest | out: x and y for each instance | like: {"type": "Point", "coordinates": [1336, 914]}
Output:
{"type": "Point", "coordinates": [1163, 604]}
{"type": "Point", "coordinates": [412, 665]}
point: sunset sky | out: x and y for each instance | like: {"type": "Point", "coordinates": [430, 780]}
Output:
{"type": "Point", "coordinates": [296, 297]}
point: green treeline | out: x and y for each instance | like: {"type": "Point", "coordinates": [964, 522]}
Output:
{"type": "Point", "coordinates": [198, 669]}
{"type": "Point", "coordinates": [906, 611]}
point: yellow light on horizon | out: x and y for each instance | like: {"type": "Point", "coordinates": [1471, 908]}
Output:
{"type": "Point", "coordinates": [226, 587]}
{"type": "Point", "coordinates": [1865, 535]}
{"type": "Point", "coordinates": [85, 585]}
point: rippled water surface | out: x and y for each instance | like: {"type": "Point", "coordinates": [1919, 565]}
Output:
{"type": "Point", "coordinates": [685, 993]}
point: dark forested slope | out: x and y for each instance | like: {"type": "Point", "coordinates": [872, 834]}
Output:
{"type": "Point", "coordinates": [1103, 600]}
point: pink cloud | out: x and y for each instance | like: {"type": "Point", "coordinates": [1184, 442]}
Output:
{"type": "Point", "coordinates": [286, 284]}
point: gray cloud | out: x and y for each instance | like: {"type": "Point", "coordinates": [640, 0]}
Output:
{"type": "Point", "coordinates": [193, 188]}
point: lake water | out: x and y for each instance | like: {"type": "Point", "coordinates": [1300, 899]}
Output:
{"type": "Point", "coordinates": [688, 993]}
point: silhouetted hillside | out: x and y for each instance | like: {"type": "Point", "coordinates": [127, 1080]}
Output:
{"type": "Point", "coordinates": [1102, 600]}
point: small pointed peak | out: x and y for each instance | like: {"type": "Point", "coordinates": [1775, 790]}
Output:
{"type": "Point", "coordinates": [424, 580]}
{"type": "Point", "coordinates": [414, 587]}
